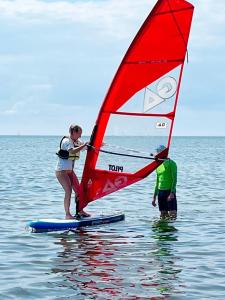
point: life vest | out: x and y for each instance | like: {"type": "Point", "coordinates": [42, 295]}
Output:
{"type": "Point", "coordinates": [77, 155]}
{"type": "Point", "coordinates": [64, 154]}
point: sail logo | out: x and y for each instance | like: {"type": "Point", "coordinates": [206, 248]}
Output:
{"type": "Point", "coordinates": [89, 182]}
{"type": "Point", "coordinates": [165, 89]}
{"type": "Point", "coordinates": [113, 185]}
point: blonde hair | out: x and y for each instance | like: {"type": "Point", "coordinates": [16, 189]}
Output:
{"type": "Point", "coordinates": [74, 128]}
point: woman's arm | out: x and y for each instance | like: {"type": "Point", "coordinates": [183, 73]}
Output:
{"type": "Point", "coordinates": [78, 149]}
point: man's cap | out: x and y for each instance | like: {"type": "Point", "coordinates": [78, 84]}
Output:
{"type": "Point", "coordinates": [160, 148]}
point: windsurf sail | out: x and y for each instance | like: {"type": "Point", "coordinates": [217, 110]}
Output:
{"type": "Point", "coordinates": [141, 101]}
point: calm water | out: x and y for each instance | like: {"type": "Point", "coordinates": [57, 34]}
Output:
{"type": "Point", "coordinates": [140, 258]}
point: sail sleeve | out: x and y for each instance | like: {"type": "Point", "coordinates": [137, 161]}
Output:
{"type": "Point", "coordinates": [143, 95]}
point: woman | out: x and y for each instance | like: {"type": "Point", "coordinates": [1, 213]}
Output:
{"type": "Point", "coordinates": [70, 148]}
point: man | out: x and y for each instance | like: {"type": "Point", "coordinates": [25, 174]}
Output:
{"type": "Point", "coordinates": [165, 187]}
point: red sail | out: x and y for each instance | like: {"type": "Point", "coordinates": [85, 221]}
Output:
{"type": "Point", "coordinates": [153, 64]}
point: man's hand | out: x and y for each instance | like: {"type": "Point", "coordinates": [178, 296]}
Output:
{"type": "Point", "coordinates": [171, 196]}
{"type": "Point", "coordinates": [154, 201]}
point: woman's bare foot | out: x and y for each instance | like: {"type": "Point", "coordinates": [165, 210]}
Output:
{"type": "Point", "coordinates": [82, 213]}
{"type": "Point", "coordinates": [69, 217]}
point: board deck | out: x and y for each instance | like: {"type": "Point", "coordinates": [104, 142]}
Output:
{"type": "Point", "coordinates": [46, 225]}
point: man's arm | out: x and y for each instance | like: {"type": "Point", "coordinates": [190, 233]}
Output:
{"type": "Point", "coordinates": [174, 177]}
{"type": "Point", "coordinates": [173, 169]}
{"type": "Point", "coordinates": [156, 191]}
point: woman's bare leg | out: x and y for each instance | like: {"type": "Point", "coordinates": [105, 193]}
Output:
{"type": "Point", "coordinates": [65, 182]}
{"type": "Point", "coordinates": [78, 194]}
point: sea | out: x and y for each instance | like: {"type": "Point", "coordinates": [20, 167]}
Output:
{"type": "Point", "coordinates": [142, 257]}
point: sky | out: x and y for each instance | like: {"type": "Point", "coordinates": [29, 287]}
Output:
{"type": "Point", "coordinates": [58, 57]}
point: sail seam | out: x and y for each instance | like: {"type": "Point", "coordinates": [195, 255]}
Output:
{"type": "Point", "coordinates": [173, 11]}
{"type": "Point", "coordinates": [169, 115]}
{"type": "Point", "coordinates": [155, 61]}
{"type": "Point", "coordinates": [179, 29]}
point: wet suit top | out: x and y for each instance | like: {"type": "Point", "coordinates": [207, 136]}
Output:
{"type": "Point", "coordinates": [166, 176]}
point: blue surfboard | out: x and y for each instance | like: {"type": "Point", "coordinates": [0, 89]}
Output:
{"type": "Point", "coordinates": [46, 225]}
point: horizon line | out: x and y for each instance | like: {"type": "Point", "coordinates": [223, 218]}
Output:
{"type": "Point", "coordinates": [85, 135]}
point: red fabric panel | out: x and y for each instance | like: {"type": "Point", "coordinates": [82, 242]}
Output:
{"type": "Point", "coordinates": [159, 47]}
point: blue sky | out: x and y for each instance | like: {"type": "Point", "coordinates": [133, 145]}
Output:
{"type": "Point", "coordinates": [57, 59]}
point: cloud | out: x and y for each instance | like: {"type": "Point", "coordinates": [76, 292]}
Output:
{"type": "Point", "coordinates": [112, 16]}
{"type": "Point", "coordinates": [8, 58]}
{"type": "Point", "coordinates": [208, 24]}
{"type": "Point", "coordinates": [116, 18]}
{"type": "Point", "coordinates": [14, 109]}
{"type": "Point", "coordinates": [32, 116]}
{"type": "Point", "coordinates": [59, 57]}
{"type": "Point", "coordinates": [81, 11]}
{"type": "Point", "coordinates": [33, 105]}
{"type": "Point", "coordinates": [201, 122]}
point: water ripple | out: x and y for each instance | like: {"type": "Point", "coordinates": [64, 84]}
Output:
{"type": "Point", "coordinates": [140, 258]}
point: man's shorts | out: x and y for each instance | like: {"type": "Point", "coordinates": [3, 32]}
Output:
{"type": "Point", "coordinates": [164, 204]}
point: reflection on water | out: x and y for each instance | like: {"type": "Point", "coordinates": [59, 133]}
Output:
{"type": "Point", "coordinates": [164, 231]}
{"type": "Point", "coordinates": [136, 259]}
{"type": "Point", "coordinates": [87, 263]}
{"type": "Point", "coordinates": [97, 265]}
{"type": "Point", "coordinates": [165, 236]}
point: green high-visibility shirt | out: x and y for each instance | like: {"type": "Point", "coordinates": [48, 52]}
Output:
{"type": "Point", "coordinates": [166, 176]}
